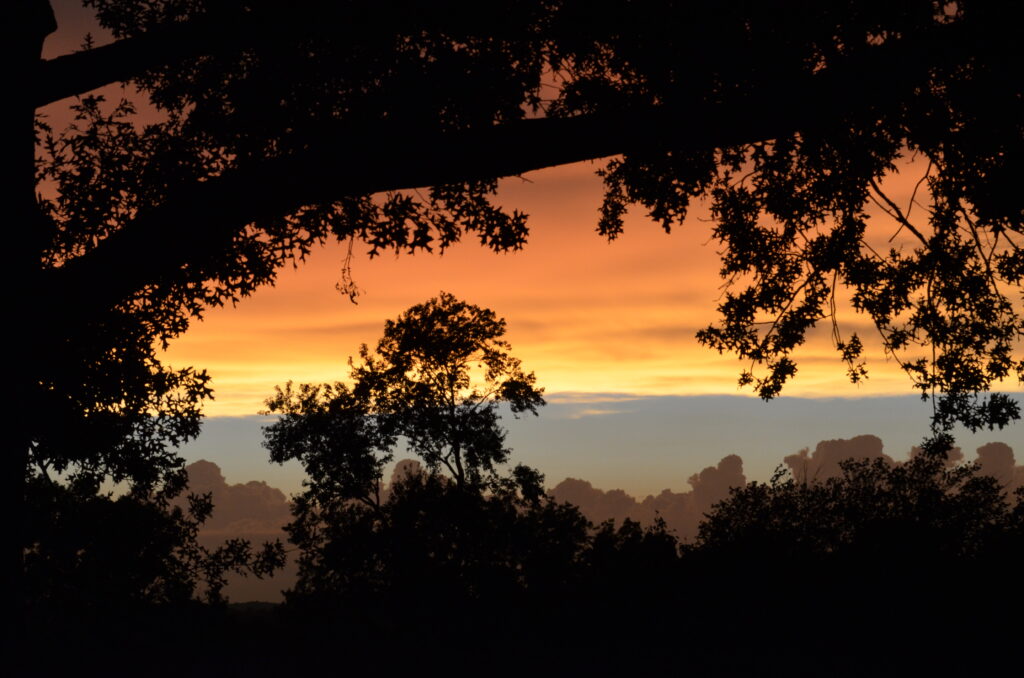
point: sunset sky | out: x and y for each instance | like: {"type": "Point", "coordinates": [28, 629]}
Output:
{"type": "Point", "coordinates": [608, 328]}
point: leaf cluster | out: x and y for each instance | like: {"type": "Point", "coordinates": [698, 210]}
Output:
{"type": "Point", "coordinates": [147, 551]}
{"type": "Point", "coordinates": [791, 210]}
{"type": "Point", "coordinates": [458, 528]}
{"type": "Point", "coordinates": [791, 213]}
{"type": "Point", "coordinates": [434, 382]}
{"type": "Point", "coordinates": [274, 92]}
{"type": "Point", "coordinates": [923, 513]}
{"type": "Point", "coordinates": [435, 379]}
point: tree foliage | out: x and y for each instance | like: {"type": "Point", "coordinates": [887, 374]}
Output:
{"type": "Point", "coordinates": [434, 382]}
{"type": "Point", "coordinates": [283, 128]}
{"type": "Point", "coordinates": [436, 379]}
{"type": "Point", "coordinates": [90, 552]}
{"type": "Point", "coordinates": [884, 557]}
{"type": "Point", "coordinates": [462, 529]}
{"type": "Point", "coordinates": [924, 513]}
{"type": "Point", "coordinates": [789, 132]}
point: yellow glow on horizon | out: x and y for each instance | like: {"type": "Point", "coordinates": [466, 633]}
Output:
{"type": "Point", "coordinates": [585, 315]}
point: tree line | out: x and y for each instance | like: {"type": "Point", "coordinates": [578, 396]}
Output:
{"type": "Point", "coordinates": [462, 544]}
{"type": "Point", "coordinates": [283, 128]}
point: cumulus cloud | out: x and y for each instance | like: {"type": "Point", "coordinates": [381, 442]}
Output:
{"type": "Point", "coordinates": [993, 459]}
{"type": "Point", "coordinates": [823, 463]}
{"type": "Point", "coordinates": [254, 511]}
{"type": "Point", "coordinates": [597, 505]}
{"type": "Point", "coordinates": [996, 460]}
{"type": "Point", "coordinates": [681, 511]}
{"type": "Point", "coordinates": [953, 458]}
{"type": "Point", "coordinates": [405, 469]}
{"type": "Point", "coordinates": [257, 511]}
{"type": "Point", "coordinates": [252, 508]}
{"type": "Point", "coordinates": [712, 485]}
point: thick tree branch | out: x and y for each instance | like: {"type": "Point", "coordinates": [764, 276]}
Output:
{"type": "Point", "coordinates": [197, 220]}
{"type": "Point", "coordinates": [80, 72]}
{"type": "Point", "coordinates": [221, 30]}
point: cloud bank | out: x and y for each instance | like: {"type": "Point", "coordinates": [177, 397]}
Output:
{"type": "Point", "coordinates": [257, 511]}
{"type": "Point", "coordinates": [240, 509]}
{"type": "Point", "coordinates": [683, 511]}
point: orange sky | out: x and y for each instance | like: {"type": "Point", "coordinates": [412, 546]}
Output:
{"type": "Point", "coordinates": [584, 314]}
{"type": "Point", "coordinates": [588, 316]}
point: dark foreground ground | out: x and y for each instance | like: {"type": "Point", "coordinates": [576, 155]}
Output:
{"type": "Point", "coordinates": [734, 624]}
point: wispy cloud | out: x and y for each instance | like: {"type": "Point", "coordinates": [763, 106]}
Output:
{"type": "Point", "coordinates": [592, 412]}
{"type": "Point", "coordinates": [581, 398]}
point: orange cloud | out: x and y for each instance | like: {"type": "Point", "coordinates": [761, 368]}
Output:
{"type": "Point", "coordinates": [585, 314]}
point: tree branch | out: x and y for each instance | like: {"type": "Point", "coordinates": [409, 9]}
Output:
{"type": "Point", "coordinates": [220, 29]}
{"type": "Point", "coordinates": [198, 219]}
{"type": "Point", "coordinates": [120, 61]}
{"type": "Point", "coordinates": [190, 228]}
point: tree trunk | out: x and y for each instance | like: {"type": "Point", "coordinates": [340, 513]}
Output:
{"type": "Point", "coordinates": [28, 23]}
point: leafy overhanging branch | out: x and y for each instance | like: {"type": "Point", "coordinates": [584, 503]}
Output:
{"type": "Point", "coordinates": [348, 161]}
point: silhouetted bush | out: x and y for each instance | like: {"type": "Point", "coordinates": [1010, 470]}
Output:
{"type": "Point", "coordinates": [88, 551]}
{"type": "Point", "coordinates": [920, 512]}
{"type": "Point", "coordinates": [906, 553]}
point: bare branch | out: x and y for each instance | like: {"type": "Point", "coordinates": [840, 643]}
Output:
{"type": "Point", "coordinates": [896, 213]}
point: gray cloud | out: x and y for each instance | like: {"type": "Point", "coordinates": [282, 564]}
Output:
{"type": "Point", "coordinates": [996, 460]}
{"type": "Point", "coordinates": [254, 511]}
{"type": "Point", "coordinates": [257, 511]}
{"type": "Point", "coordinates": [681, 511]}
{"type": "Point", "coordinates": [252, 508]}
{"type": "Point", "coordinates": [823, 463]}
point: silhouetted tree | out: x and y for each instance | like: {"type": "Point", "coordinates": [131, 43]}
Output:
{"type": "Point", "coordinates": [261, 96]}
{"type": "Point", "coordinates": [436, 378]}
{"type": "Point", "coordinates": [457, 542]}
{"type": "Point", "coordinates": [91, 552]}
{"type": "Point", "coordinates": [279, 125]}
{"type": "Point", "coordinates": [906, 550]}
{"type": "Point", "coordinates": [459, 529]}
{"type": "Point", "coordinates": [922, 510]}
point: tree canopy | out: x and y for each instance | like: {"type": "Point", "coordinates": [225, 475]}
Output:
{"type": "Point", "coordinates": [434, 383]}
{"type": "Point", "coordinates": [925, 513]}
{"type": "Point", "coordinates": [788, 131]}
{"type": "Point", "coordinates": [282, 128]}
{"type": "Point", "coordinates": [460, 523]}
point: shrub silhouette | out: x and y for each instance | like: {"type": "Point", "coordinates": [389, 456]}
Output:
{"type": "Point", "coordinates": [919, 511]}
{"type": "Point", "coordinates": [898, 552]}
{"type": "Point", "coordinates": [459, 542]}
{"type": "Point", "coordinates": [91, 552]}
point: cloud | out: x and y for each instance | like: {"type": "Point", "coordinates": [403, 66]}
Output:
{"type": "Point", "coordinates": [597, 505]}
{"type": "Point", "coordinates": [823, 463]}
{"type": "Point", "coordinates": [575, 398]}
{"type": "Point", "coordinates": [252, 508]}
{"type": "Point", "coordinates": [257, 511]}
{"type": "Point", "coordinates": [254, 511]}
{"type": "Point", "coordinates": [684, 511]}
{"type": "Point", "coordinates": [592, 412]}
{"type": "Point", "coordinates": [405, 469]}
{"type": "Point", "coordinates": [953, 457]}
{"type": "Point", "coordinates": [996, 460]}
{"type": "Point", "coordinates": [681, 511]}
